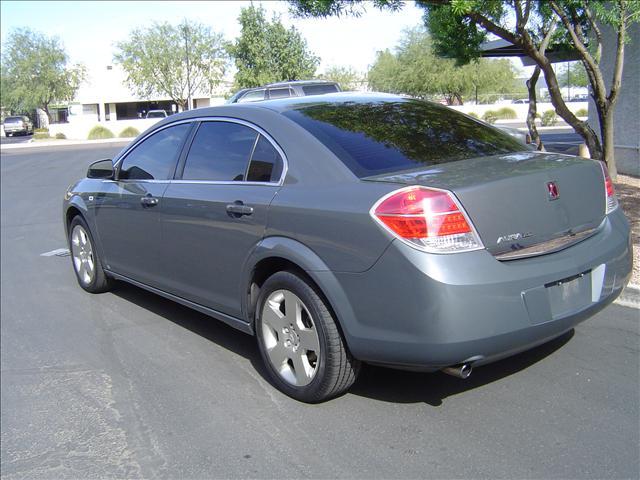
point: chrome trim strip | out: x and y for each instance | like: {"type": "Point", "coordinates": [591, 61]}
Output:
{"type": "Point", "coordinates": [549, 246]}
{"type": "Point", "coordinates": [228, 319]}
{"type": "Point", "coordinates": [285, 161]}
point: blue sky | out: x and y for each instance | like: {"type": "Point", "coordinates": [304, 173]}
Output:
{"type": "Point", "coordinates": [90, 29]}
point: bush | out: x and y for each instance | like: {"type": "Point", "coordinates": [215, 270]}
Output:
{"type": "Point", "coordinates": [41, 130]}
{"type": "Point", "coordinates": [41, 135]}
{"type": "Point", "coordinates": [490, 116]}
{"type": "Point", "coordinates": [61, 136]}
{"type": "Point", "coordinates": [583, 112]}
{"type": "Point", "coordinates": [506, 113]}
{"type": "Point", "coordinates": [99, 132]}
{"type": "Point", "coordinates": [473, 114]}
{"type": "Point", "coordinates": [129, 132]}
{"type": "Point", "coordinates": [549, 118]}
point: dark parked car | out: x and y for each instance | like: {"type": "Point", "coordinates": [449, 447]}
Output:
{"type": "Point", "coordinates": [20, 125]}
{"type": "Point", "coordinates": [349, 229]}
{"type": "Point", "coordinates": [297, 88]}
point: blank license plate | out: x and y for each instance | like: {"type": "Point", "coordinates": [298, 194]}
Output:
{"type": "Point", "coordinates": [570, 295]}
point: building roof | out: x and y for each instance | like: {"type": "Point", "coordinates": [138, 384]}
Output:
{"type": "Point", "coordinates": [502, 48]}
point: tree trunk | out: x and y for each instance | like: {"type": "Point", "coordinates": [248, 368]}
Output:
{"type": "Point", "coordinates": [531, 113]}
{"type": "Point", "coordinates": [606, 130]}
{"type": "Point", "coordinates": [45, 107]}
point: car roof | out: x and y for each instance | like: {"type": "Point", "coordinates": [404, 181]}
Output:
{"type": "Point", "coordinates": [299, 82]}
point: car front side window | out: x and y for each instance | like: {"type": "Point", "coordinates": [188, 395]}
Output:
{"type": "Point", "coordinates": [155, 157]}
{"type": "Point", "coordinates": [220, 152]}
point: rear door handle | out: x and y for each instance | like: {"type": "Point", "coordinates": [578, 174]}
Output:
{"type": "Point", "coordinates": [238, 209]}
{"type": "Point", "coordinates": [149, 201]}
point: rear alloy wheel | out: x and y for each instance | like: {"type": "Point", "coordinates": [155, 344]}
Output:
{"type": "Point", "coordinates": [299, 341]}
{"type": "Point", "coordinates": [86, 262]}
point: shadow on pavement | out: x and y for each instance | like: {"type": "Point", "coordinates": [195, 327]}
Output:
{"type": "Point", "coordinates": [377, 383]}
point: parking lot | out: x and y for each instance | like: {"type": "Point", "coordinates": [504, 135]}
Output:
{"type": "Point", "coordinates": [127, 384]}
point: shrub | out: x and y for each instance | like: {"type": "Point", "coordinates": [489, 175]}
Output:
{"type": "Point", "coordinates": [61, 136]}
{"type": "Point", "coordinates": [129, 132]}
{"type": "Point", "coordinates": [41, 130]}
{"type": "Point", "coordinates": [549, 118]}
{"type": "Point", "coordinates": [490, 116]}
{"type": "Point", "coordinates": [473, 114]}
{"type": "Point", "coordinates": [583, 112]}
{"type": "Point", "coordinates": [506, 113]}
{"type": "Point", "coordinates": [99, 132]}
{"type": "Point", "coordinates": [41, 135]}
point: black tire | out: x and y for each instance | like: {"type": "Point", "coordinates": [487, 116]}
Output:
{"type": "Point", "coordinates": [98, 282]}
{"type": "Point", "coordinates": [335, 369]}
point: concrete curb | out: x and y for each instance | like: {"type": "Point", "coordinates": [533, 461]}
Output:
{"type": "Point", "coordinates": [63, 143]}
{"type": "Point", "coordinates": [630, 297]}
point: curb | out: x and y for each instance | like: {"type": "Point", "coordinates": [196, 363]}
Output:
{"type": "Point", "coordinates": [630, 296]}
{"type": "Point", "coordinates": [63, 143]}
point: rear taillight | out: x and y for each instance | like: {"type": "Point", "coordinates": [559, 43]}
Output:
{"type": "Point", "coordinates": [427, 218]}
{"type": "Point", "coordinates": [610, 193]}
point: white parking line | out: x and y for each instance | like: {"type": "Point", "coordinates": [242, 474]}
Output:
{"type": "Point", "coordinates": [58, 252]}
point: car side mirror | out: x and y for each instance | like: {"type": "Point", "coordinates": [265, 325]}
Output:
{"type": "Point", "coordinates": [101, 169]}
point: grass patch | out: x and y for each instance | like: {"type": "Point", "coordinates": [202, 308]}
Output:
{"type": "Point", "coordinates": [99, 132]}
{"type": "Point", "coordinates": [506, 113]}
{"type": "Point", "coordinates": [129, 132]}
{"type": "Point", "coordinates": [549, 118]}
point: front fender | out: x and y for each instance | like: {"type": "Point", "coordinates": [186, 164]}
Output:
{"type": "Point", "coordinates": [313, 266]}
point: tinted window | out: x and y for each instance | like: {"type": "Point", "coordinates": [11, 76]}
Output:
{"type": "Point", "coordinates": [252, 96]}
{"type": "Point", "coordinates": [220, 152]}
{"type": "Point", "coordinates": [155, 157]}
{"type": "Point", "coordinates": [380, 137]}
{"type": "Point", "coordinates": [266, 163]}
{"type": "Point", "coordinates": [279, 93]}
{"type": "Point", "coordinates": [13, 120]}
{"type": "Point", "coordinates": [319, 89]}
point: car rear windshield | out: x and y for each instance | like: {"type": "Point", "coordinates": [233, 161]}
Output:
{"type": "Point", "coordinates": [13, 120]}
{"type": "Point", "coordinates": [320, 89]}
{"type": "Point", "coordinates": [382, 137]}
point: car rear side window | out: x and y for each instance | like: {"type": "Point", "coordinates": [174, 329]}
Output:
{"type": "Point", "coordinates": [266, 163]}
{"type": "Point", "coordinates": [319, 89]}
{"type": "Point", "coordinates": [254, 96]}
{"type": "Point", "coordinates": [155, 157]}
{"type": "Point", "coordinates": [279, 93]}
{"type": "Point", "coordinates": [220, 151]}
{"type": "Point", "coordinates": [381, 137]}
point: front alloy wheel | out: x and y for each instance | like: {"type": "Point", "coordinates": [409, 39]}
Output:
{"type": "Point", "coordinates": [85, 258]}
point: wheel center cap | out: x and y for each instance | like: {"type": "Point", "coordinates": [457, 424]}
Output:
{"type": "Point", "coordinates": [291, 339]}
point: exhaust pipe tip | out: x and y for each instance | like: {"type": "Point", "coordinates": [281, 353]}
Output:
{"type": "Point", "coordinates": [460, 371]}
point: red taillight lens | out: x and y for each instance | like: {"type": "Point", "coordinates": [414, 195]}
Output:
{"type": "Point", "coordinates": [428, 218]}
{"type": "Point", "coordinates": [610, 192]}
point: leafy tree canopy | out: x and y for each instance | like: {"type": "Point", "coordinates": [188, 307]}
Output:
{"type": "Point", "coordinates": [572, 74]}
{"type": "Point", "coordinates": [268, 52]}
{"type": "Point", "coordinates": [36, 72]}
{"type": "Point", "coordinates": [415, 70]}
{"type": "Point", "coordinates": [174, 61]}
{"type": "Point", "coordinates": [346, 77]}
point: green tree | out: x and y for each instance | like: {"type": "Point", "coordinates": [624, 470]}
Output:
{"type": "Point", "coordinates": [346, 77]}
{"type": "Point", "coordinates": [268, 52]}
{"type": "Point", "coordinates": [415, 70]}
{"type": "Point", "coordinates": [572, 75]}
{"type": "Point", "coordinates": [36, 72]}
{"type": "Point", "coordinates": [174, 61]}
{"type": "Point", "coordinates": [460, 26]}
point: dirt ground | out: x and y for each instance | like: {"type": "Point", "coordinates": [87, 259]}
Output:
{"type": "Point", "coordinates": [628, 191]}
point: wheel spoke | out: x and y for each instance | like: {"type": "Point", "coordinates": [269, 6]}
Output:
{"type": "Point", "coordinates": [272, 316]}
{"type": "Point", "coordinates": [309, 339]}
{"type": "Point", "coordinates": [300, 369]}
{"type": "Point", "coordinates": [292, 307]}
{"type": "Point", "coordinates": [278, 355]}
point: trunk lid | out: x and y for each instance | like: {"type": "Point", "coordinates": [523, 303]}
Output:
{"type": "Point", "coordinates": [509, 198]}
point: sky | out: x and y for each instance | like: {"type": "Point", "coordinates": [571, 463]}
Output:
{"type": "Point", "coordinates": [89, 29]}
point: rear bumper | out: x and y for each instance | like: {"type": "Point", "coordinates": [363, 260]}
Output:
{"type": "Point", "coordinates": [417, 310]}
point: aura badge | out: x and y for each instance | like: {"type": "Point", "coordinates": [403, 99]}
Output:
{"type": "Point", "coordinates": [552, 191]}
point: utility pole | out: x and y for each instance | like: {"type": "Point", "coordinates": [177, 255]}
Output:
{"type": "Point", "coordinates": [185, 32]}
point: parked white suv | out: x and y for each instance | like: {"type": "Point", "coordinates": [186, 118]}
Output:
{"type": "Point", "coordinates": [18, 125]}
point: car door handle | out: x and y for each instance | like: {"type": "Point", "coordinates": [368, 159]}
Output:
{"type": "Point", "coordinates": [149, 201]}
{"type": "Point", "coordinates": [238, 209]}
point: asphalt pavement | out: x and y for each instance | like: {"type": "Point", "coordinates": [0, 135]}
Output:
{"type": "Point", "coordinates": [4, 140]}
{"type": "Point", "coordinates": [127, 384]}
